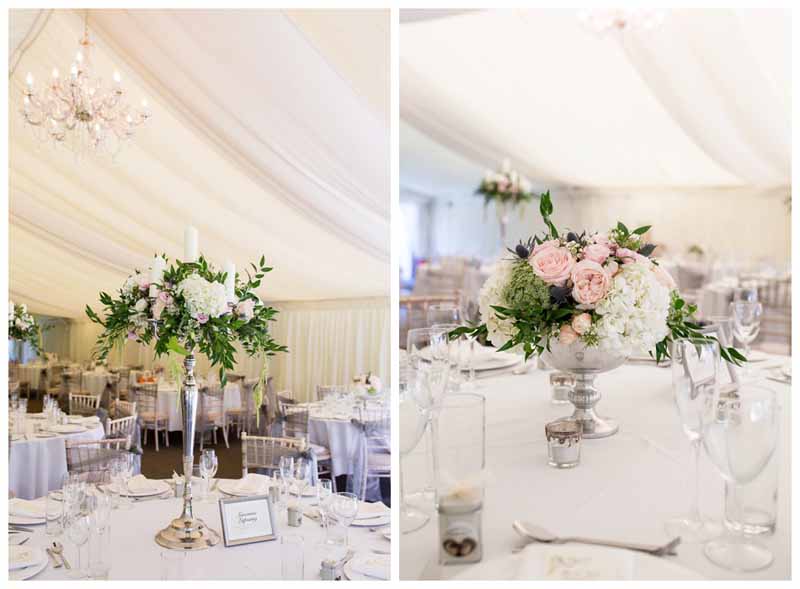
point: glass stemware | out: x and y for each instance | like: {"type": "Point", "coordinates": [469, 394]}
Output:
{"type": "Point", "coordinates": [746, 324]}
{"type": "Point", "coordinates": [443, 313]}
{"type": "Point", "coordinates": [208, 469]}
{"type": "Point", "coordinates": [413, 421]}
{"type": "Point", "coordinates": [695, 364]}
{"type": "Point", "coordinates": [739, 436]}
{"type": "Point", "coordinates": [302, 471]}
{"type": "Point", "coordinates": [286, 468]}
{"type": "Point", "coordinates": [77, 531]}
{"type": "Point", "coordinates": [345, 508]}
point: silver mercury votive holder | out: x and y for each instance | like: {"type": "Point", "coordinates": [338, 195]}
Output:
{"type": "Point", "coordinates": [295, 515]}
{"type": "Point", "coordinates": [563, 443]}
{"type": "Point", "coordinates": [561, 383]}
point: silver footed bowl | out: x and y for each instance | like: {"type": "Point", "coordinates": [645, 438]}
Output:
{"type": "Point", "coordinates": [585, 363]}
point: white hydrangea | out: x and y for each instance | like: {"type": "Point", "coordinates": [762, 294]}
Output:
{"type": "Point", "coordinates": [633, 316]}
{"type": "Point", "coordinates": [499, 330]}
{"type": "Point", "coordinates": [203, 297]}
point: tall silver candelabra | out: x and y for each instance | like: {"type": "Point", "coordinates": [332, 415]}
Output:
{"type": "Point", "coordinates": [187, 532]}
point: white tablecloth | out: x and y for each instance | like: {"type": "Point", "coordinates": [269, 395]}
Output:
{"type": "Point", "coordinates": [340, 437]}
{"type": "Point", "coordinates": [135, 555]}
{"type": "Point", "coordinates": [169, 403]}
{"type": "Point", "coordinates": [38, 465]}
{"type": "Point", "coordinates": [95, 382]}
{"type": "Point", "coordinates": [626, 486]}
{"type": "Point", "coordinates": [31, 374]}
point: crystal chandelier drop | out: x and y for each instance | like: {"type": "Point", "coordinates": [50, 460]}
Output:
{"type": "Point", "coordinates": [77, 111]}
{"type": "Point", "coordinates": [602, 21]}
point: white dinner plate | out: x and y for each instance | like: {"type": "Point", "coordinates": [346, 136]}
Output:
{"type": "Point", "coordinates": [372, 522]}
{"type": "Point", "coordinates": [67, 428]}
{"type": "Point", "coordinates": [31, 571]}
{"type": "Point", "coordinates": [491, 360]}
{"type": "Point", "coordinates": [348, 571]}
{"type": "Point", "coordinates": [159, 487]}
{"type": "Point", "coordinates": [636, 565]}
{"type": "Point", "coordinates": [228, 486]}
{"type": "Point", "coordinates": [370, 510]}
{"type": "Point", "coordinates": [307, 492]}
{"type": "Point", "coordinates": [22, 520]}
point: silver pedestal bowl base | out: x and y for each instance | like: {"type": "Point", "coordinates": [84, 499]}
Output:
{"type": "Point", "coordinates": [585, 364]}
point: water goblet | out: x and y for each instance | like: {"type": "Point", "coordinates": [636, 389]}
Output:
{"type": "Point", "coordinates": [746, 325]}
{"type": "Point", "coordinates": [740, 435]}
{"type": "Point", "coordinates": [345, 508]}
{"type": "Point", "coordinates": [77, 532]}
{"type": "Point", "coordinates": [413, 421]}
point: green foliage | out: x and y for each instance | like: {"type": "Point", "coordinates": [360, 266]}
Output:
{"type": "Point", "coordinates": [179, 332]}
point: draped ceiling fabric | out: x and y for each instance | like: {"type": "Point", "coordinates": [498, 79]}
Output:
{"type": "Point", "coordinates": [269, 133]}
{"type": "Point", "coordinates": [701, 102]}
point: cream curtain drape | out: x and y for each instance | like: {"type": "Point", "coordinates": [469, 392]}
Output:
{"type": "Point", "coordinates": [329, 342]}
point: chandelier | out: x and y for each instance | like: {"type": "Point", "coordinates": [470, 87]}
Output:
{"type": "Point", "coordinates": [77, 111]}
{"type": "Point", "coordinates": [602, 21]}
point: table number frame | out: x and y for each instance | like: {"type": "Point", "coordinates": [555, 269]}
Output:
{"type": "Point", "coordinates": [262, 536]}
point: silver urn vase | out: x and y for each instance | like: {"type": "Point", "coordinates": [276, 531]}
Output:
{"type": "Point", "coordinates": [585, 363]}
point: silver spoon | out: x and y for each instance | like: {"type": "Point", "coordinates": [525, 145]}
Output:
{"type": "Point", "coordinates": [538, 534]}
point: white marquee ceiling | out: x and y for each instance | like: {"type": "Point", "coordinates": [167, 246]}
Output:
{"type": "Point", "coordinates": [269, 134]}
{"type": "Point", "coordinates": [703, 101]}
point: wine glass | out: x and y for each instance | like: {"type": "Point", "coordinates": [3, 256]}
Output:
{"type": "Point", "coordinates": [695, 363]}
{"type": "Point", "coordinates": [746, 324]}
{"type": "Point", "coordinates": [77, 531]}
{"type": "Point", "coordinates": [208, 468]}
{"type": "Point", "coordinates": [413, 421]}
{"type": "Point", "coordinates": [286, 468]}
{"type": "Point", "coordinates": [126, 474]}
{"type": "Point", "coordinates": [746, 292]}
{"type": "Point", "coordinates": [739, 435]}
{"type": "Point", "coordinates": [302, 470]}
{"type": "Point", "coordinates": [454, 350]}
{"type": "Point", "coordinates": [443, 313]}
{"type": "Point", "coordinates": [345, 508]}
{"type": "Point", "coordinates": [324, 491]}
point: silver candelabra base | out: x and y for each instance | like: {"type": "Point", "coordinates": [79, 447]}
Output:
{"type": "Point", "coordinates": [187, 532]}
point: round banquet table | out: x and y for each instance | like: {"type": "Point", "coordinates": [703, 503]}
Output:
{"type": "Point", "coordinates": [135, 554]}
{"type": "Point", "coordinates": [37, 465]}
{"type": "Point", "coordinates": [31, 374]}
{"type": "Point", "coordinates": [340, 436]}
{"type": "Point", "coordinates": [169, 403]}
{"type": "Point", "coordinates": [625, 487]}
{"type": "Point", "coordinates": [94, 382]}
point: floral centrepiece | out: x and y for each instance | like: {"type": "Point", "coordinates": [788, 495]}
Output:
{"type": "Point", "coordinates": [506, 186]}
{"type": "Point", "coordinates": [368, 383]}
{"type": "Point", "coordinates": [188, 311]}
{"type": "Point", "coordinates": [604, 290]}
{"type": "Point", "coordinates": [22, 327]}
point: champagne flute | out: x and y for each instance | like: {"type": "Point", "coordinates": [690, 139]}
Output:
{"type": "Point", "coordinates": [302, 470]}
{"type": "Point", "coordinates": [740, 435]}
{"type": "Point", "coordinates": [77, 531]}
{"type": "Point", "coordinates": [286, 468]}
{"type": "Point", "coordinates": [695, 363]}
{"type": "Point", "coordinates": [208, 469]}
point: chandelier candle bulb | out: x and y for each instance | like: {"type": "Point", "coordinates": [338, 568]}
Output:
{"type": "Point", "coordinates": [29, 80]}
{"type": "Point", "coordinates": [190, 244]}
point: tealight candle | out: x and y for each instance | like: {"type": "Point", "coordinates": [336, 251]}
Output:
{"type": "Point", "coordinates": [563, 443]}
{"type": "Point", "coordinates": [230, 281]}
{"type": "Point", "coordinates": [190, 246]}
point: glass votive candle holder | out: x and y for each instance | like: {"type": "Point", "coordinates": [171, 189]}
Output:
{"type": "Point", "coordinates": [561, 383]}
{"type": "Point", "coordinates": [563, 443]}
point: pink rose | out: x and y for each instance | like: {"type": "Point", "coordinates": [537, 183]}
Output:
{"type": "Point", "coordinates": [131, 335]}
{"type": "Point", "coordinates": [629, 256]}
{"type": "Point", "coordinates": [612, 268]}
{"type": "Point", "coordinates": [545, 245]}
{"type": "Point", "coordinates": [664, 277]}
{"type": "Point", "coordinates": [582, 323]}
{"type": "Point", "coordinates": [202, 318]}
{"type": "Point", "coordinates": [165, 297]}
{"type": "Point", "coordinates": [552, 264]}
{"type": "Point", "coordinates": [602, 239]}
{"type": "Point", "coordinates": [245, 309]}
{"type": "Point", "coordinates": [590, 283]}
{"type": "Point", "coordinates": [596, 252]}
{"type": "Point", "coordinates": [567, 335]}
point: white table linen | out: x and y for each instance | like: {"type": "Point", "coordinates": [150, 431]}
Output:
{"type": "Point", "coordinates": [168, 400]}
{"type": "Point", "coordinates": [95, 382]}
{"type": "Point", "coordinates": [340, 437]}
{"type": "Point", "coordinates": [31, 374]}
{"type": "Point", "coordinates": [37, 465]}
{"type": "Point", "coordinates": [135, 555]}
{"type": "Point", "coordinates": [625, 487]}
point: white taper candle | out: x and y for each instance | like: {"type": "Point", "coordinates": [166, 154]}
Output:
{"type": "Point", "coordinates": [230, 281]}
{"type": "Point", "coordinates": [190, 244]}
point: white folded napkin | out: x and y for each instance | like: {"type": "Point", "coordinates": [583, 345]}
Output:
{"type": "Point", "coordinates": [371, 510]}
{"type": "Point", "coordinates": [20, 557]}
{"type": "Point", "coordinates": [141, 484]}
{"type": "Point", "coordinates": [27, 508]}
{"type": "Point", "coordinates": [90, 419]}
{"type": "Point", "coordinates": [376, 566]}
{"type": "Point", "coordinates": [252, 484]}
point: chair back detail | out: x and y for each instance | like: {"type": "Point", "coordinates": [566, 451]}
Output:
{"type": "Point", "coordinates": [91, 459]}
{"type": "Point", "coordinates": [265, 452]}
{"type": "Point", "coordinates": [83, 404]}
